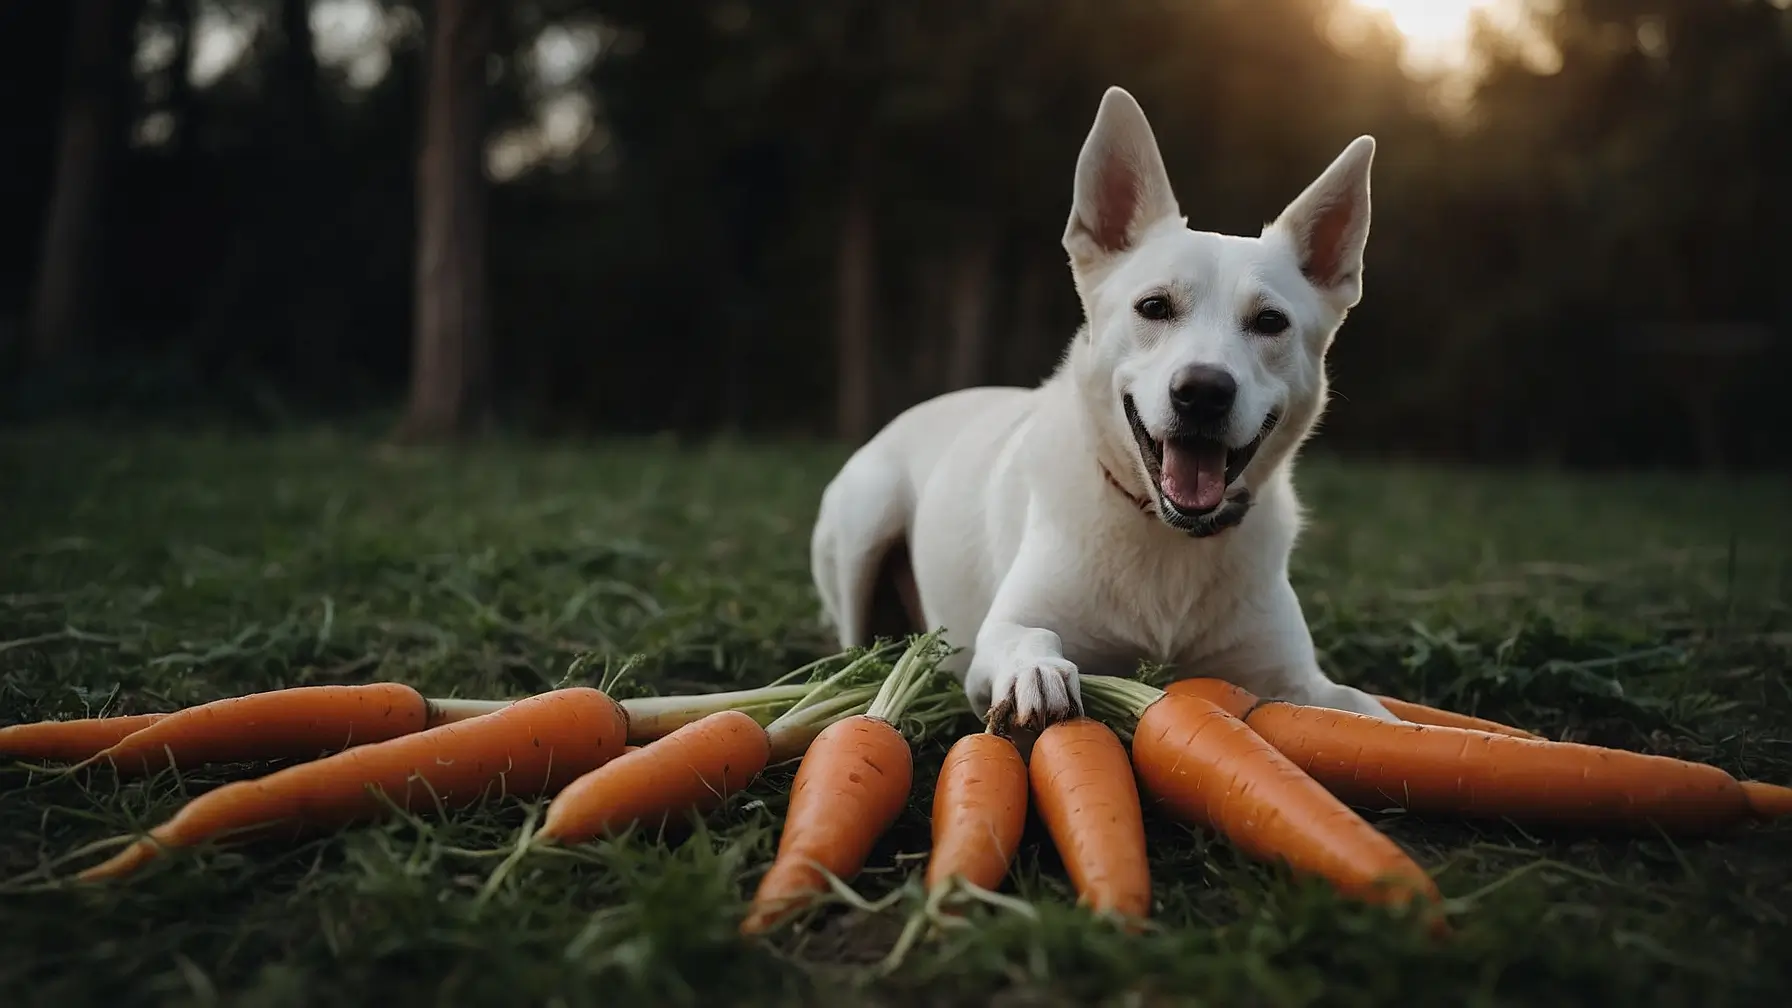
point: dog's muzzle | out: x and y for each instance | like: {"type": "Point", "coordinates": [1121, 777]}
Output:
{"type": "Point", "coordinates": [1202, 497]}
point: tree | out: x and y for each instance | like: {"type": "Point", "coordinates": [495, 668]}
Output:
{"type": "Point", "coordinates": [62, 316]}
{"type": "Point", "coordinates": [855, 306]}
{"type": "Point", "coordinates": [450, 365]}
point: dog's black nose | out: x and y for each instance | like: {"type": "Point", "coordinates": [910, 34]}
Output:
{"type": "Point", "coordinates": [1202, 393]}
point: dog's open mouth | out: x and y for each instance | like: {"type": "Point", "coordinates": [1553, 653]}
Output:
{"type": "Point", "coordinates": [1191, 474]}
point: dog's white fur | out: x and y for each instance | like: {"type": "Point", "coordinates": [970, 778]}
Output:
{"type": "Point", "coordinates": [1028, 557]}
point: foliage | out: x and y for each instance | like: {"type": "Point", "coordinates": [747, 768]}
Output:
{"type": "Point", "coordinates": [1584, 267]}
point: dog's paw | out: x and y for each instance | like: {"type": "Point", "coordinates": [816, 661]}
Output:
{"type": "Point", "coordinates": [1029, 694]}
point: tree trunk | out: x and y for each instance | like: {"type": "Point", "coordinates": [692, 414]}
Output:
{"type": "Point", "coordinates": [180, 103]}
{"type": "Point", "coordinates": [967, 310]}
{"type": "Point", "coordinates": [308, 255]}
{"type": "Point", "coordinates": [926, 328]}
{"type": "Point", "coordinates": [854, 310]}
{"type": "Point", "coordinates": [298, 105]}
{"type": "Point", "coordinates": [1030, 344]}
{"type": "Point", "coordinates": [449, 360]}
{"type": "Point", "coordinates": [62, 316]}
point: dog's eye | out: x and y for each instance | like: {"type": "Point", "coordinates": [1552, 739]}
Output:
{"type": "Point", "coordinates": [1270, 322]}
{"type": "Point", "coordinates": [1156, 308]}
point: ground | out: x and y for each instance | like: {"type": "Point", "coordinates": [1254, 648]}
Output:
{"type": "Point", "coordinates": [142, 571]}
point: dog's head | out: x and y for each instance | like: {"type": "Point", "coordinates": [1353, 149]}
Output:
{"type": "Point", "coordinates": [1204, 355]}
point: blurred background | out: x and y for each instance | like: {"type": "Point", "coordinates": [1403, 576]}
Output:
{"type": "Point", "coordinates": [755, 217]}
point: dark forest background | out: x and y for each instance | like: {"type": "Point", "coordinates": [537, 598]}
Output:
{"type": "Point", "coordinates": [762, 217]}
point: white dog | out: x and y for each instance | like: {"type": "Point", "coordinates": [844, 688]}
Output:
{"type": "Point", "coordinates": [1138, 504]}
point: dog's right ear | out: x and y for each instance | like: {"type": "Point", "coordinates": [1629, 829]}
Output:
{"type": "Point", "coordinates": [1122, 189]}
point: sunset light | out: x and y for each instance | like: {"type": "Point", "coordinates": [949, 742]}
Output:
{"type": "Point", "coordinates": [1437, 33]}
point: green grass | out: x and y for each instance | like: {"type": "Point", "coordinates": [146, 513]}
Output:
{"type": "Point", "coordinates": [144, 572]}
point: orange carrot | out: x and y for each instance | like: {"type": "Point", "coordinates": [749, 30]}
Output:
{"type": "Point", "coordinates": [695, 768]}
{"type": "Point", "coordinates": [1086, 796]}
{"type": "Point", "coordinates": [851, 785]}
{"type": "Point", "coordinates": [69, 741]}
{"type": "Point", "coordinates": [1433, 768]}
{"type": "Point", "coordinates": [1200, 763]}
{"type": "Point", "coordinates": [1768, 801]}
{"type": "Point", "coordinates": [533, 746]}
{"type": "Point", "coordinates": [1418, 713]}
{"type": "Point", "coordinates": [699, 764]}
{"type": "Point", "coordinates": [654, 717]}
{"type": "Point", "coordinates": [305, 721]}
{"type": "Point", "coordinates": [979, 811]}
{"type": "Point", "coordinates": [297, 723]}
{"type": "Point", "coordinates": [1229, 698]}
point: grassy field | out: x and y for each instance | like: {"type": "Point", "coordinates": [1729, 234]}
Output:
{"type": "Point", "coordinates": [145, 572]}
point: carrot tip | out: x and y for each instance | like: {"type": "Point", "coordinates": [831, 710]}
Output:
{"type": "Point", "coordinates": [1767, 801]}
{"type": "Point", "coordinates": [769, 915]}
{"type": "Point", "coordinates": [123, 863]}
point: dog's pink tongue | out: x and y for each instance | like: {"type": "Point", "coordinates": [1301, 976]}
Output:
{"type": "Point", "coordinates": [1194, 475]}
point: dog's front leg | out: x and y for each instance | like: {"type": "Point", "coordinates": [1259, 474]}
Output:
{"type": "Point", "coordinates": [1275, 658]}
{"type": "Point", "coordinates": [1017, 665]}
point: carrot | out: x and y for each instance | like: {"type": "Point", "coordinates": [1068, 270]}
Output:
{"type": "Point", "coordinates": [297, 723]}
{"type": "Point", "coordinates": [533, 746]}
{"type": "Point", "coordinates": [1203, 765]}
{"type": "Point", "coordinates": [851, 785]}
{"type": "Point", "coordinates": [655, 717]}
{"type": "Point", "coordinates": [233, 729]}
{"type": "Point", "coordinates": [72, 740]}
{"type": "Point", "coordinates": [1418, 713]}
{"type": "Point", "coordinates": [1768, 801]}
{"type": "Point", "coordinates": [979, 811]}
{"type": "Point", "coordinates": [700, 764]}
{"type": "Point", "coordinates": [695, 768]}
{"type": "Point", "coordinates": [1089, 802]}
{"type": "Point", "coordinates": [308, 720]}
{"type": "Point", "coordinates": [1229, 698]}
{"type": "Point", "coordinates": [1433, 768]}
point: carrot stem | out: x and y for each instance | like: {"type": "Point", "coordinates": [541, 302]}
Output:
{"type": "Point", "coordinates": [653, 717]}
{"type": "Point", "coordinates": [791, 736]}
{"type": "Point", "coordinates": [449, 710]}
{"type": "Point", "coordinates": [846, 693]}
{"type": "Point", "coordinates": [1118, 700]}
{"type": "Point", "coordinates": [656, 717]}
{"type": "Point", "coordinates": [865, 669]}
{"type": "Point", "coordinates": [913, 674]}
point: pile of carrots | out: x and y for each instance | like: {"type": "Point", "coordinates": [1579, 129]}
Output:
{"type": "Point", "coordinates": [1281, 782]}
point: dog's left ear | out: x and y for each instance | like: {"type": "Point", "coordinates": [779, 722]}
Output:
{"type": "Point", "coordinates": [1328, 224]}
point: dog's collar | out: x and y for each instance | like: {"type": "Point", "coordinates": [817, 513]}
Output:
{"type": "Point", "coordinates": [1139, 502]}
